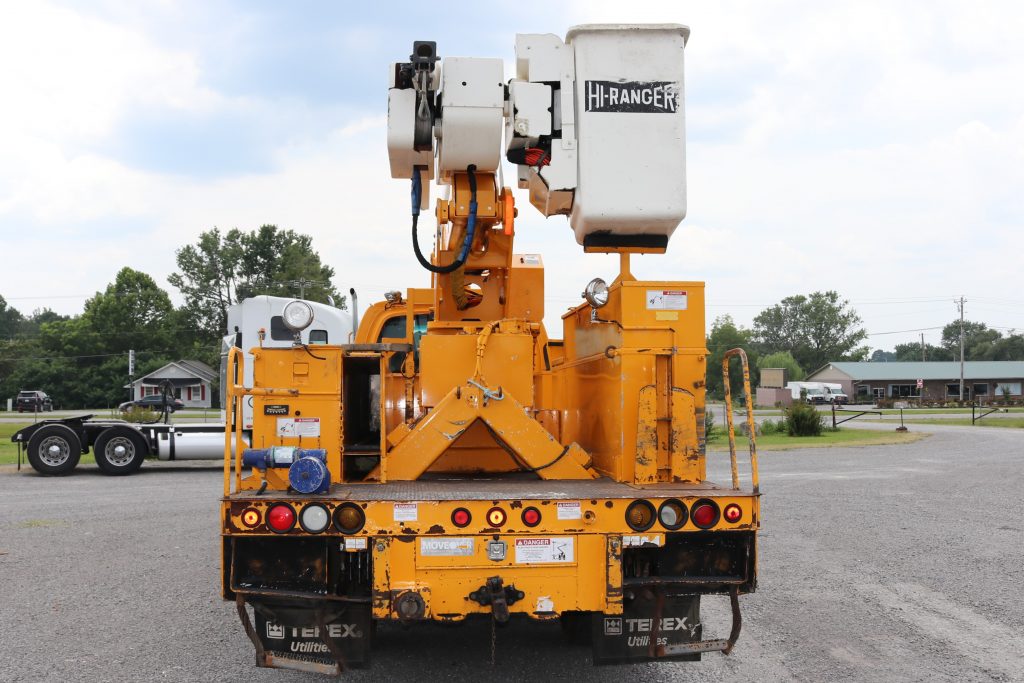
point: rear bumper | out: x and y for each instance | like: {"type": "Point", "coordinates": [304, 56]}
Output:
{"type": "Point", "coordinates": [409, 561]}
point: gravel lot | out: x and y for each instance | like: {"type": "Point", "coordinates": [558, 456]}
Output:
{"type": "Point", "coordinates": [877, 564]}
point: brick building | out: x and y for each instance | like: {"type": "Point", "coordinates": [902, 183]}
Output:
{"type": "Point", "coordinates": [940, 380]}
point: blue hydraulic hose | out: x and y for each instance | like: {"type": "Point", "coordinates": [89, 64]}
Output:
{"type": "Point", "coordinates": [416, 195]}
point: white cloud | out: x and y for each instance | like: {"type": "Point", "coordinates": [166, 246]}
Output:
{"type": "Point", "coordinates": [874, 148]}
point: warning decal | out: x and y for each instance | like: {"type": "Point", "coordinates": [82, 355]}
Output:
{"type": "Point", "coordinates": [569, 510]}
{"type": "Point", "coordinates": [298, 426]}
{"type": "Point", "coordinates": [666, 300]}
{"type": "Point", "coordinates": [406, 512]}
{"type": "Point", "coordinates": [540, 550]}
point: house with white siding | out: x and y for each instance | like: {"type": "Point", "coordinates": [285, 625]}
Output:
{"type": "Point", "coordinates": [192, 382]}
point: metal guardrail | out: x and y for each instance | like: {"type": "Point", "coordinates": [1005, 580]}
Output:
{"type": "Point", "coordinates": [859, 413]}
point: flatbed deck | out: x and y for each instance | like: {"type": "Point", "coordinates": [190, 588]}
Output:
{"type": "Point", "coordinates": [502, 488]}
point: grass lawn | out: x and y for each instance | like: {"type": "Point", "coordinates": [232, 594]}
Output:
{"type": "Point", "coordinates": [9, 449]}
{"type": "Point", "coordinates": [844, 437]}
{"type": "Point", "coordinates": [1011, 422]}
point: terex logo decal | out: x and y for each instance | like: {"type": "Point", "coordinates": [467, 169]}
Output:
{"type": "Point", "coordinates": [279, 631]}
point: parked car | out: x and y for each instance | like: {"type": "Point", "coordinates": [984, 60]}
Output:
{"type": "Point", "coordinates": [33, 402]}
{"type": "Point", "coordinates": [155, 402]}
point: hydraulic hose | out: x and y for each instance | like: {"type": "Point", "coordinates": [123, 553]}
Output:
{"type": "Point", "coordinates": [417, 193]}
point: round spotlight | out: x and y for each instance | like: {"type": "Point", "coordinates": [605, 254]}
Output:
{"type": "Point", "coordinates": [349, 518]}
{"type": "Point", "coordinates": [281, 518]}
{"type": "Point", "coordinates": [531, 516]}
{"type": "Point", "coordinates": [461, 517]}
{"type": "Point", "coordinates": [496, 517]}
{"type": "Point", "coordinates": [251, 517]}
{"type": "Point", "coordinates": [596, 292]}
{"type": "Point", "coordinates": [314, 519]}
{"type": "Point", "coordinates": [672, 514]}
{"type": "Point", "coordinates": [705, 513]}
{"type": "Point", "coordinates": [640, 515]}
{"type": "Point", "coordinates": [297, 315]}
{"type": "Point", "coordinates": [732, 513]}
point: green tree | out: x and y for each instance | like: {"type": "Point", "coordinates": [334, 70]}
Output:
{"type": "Point", "coordinates": [10, 320]}
{"type": "Point", "coordinates": [726, 335]}
{"type": "Point", "coordinates": [912, 351]}
{"type": "Point", "coordinates": [220, 270]}
{"type": "Point", "coordinates": [815, 329]}
{"type": "Point", "coordinates": [978, 339]}
{"type": "Point", "coordinates": [782, 359]}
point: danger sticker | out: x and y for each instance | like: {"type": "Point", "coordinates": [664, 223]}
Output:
{"type": "Point", "coordinates": [666, 300]}
{"type": "Point", "coordinates": [406, 512]}
{"type": "Point", "coordinates": [298, 426]}
{"type": "Point", "coordinates": [541, 550]}
{"type": "Point", "coordinates": [446, 547]}
{"type": "Point", "coordinates": [569, 510]}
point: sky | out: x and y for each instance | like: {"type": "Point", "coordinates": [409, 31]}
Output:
{"type": "Point", "coordinates": [874, 148]}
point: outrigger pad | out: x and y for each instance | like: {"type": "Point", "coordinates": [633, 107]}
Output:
{"type": "Point", "coordinates": [351, 632]}
{"type": "Point", "coordinates": [635, 635]}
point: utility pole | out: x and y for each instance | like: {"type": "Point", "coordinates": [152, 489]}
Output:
{"type": "Point", "coordinates": [922, 348]}
{"type": "Point", "coordinates": [960, 304]}
{"type": "Point", "coordinates": [131, 374]}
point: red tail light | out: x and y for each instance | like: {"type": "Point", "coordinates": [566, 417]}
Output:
{"type": "Point", "coordinates": [531, 517]}
{"type": "Point", "coordinates": [732, 513]}
{"type": "Point", "coordinates": [704, 514]}
{"type": "Point", "coordinates": [461, 517]}
{"type": "Point", "coordinates": [281, 518]}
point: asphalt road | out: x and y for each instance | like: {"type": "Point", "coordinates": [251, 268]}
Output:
{"type": "Point", "coordinates": [894, 563]}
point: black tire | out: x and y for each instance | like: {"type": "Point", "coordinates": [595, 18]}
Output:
{"type": "Point", "coordinates": [119, 451]}
{"type": "Point", "coordinates": [54, 450]}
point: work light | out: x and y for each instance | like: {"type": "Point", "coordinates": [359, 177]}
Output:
{"type": "Point", "coordinates": [596, 292]}
{"type": "Point", "coordinates": [297, 315]}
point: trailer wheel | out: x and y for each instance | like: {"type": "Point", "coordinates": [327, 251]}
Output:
{"type": "Point", "coordinates": [119, 451]}
{"type": "Point", "coordinates": [54, 449]}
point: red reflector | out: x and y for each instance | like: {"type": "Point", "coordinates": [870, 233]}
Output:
{"type": "Point", "coordinates": [732, 513]}
{"type": "Point", "coordinates": [704, 515]}
{"type": "Point", "coordinates": [461, 517]}
{"type": "Point", "coordinates": [531, 516]}
{"type": "Point", "coordinates": [281, 518]}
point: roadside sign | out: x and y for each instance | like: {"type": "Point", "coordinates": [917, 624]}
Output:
{"type": "Point", "coordinates": [920, 384]}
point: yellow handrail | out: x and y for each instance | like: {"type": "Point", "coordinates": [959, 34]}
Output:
{"type": "Point", "coordinates": [231, 415]}
{"type": "Point", "coordinates": [750, 418]}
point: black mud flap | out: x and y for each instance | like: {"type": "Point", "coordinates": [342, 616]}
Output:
{"type": "Point", "coordinates": [650, 623]}
{"type": "Point", "coordinates": [294, 639]}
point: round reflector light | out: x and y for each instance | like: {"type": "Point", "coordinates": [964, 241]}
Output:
{"type": "Point", "coordinates": [281, 518]}
{"type": "Point", "coordinates": [732, 513]}
{"type": "Point", "coordinates": [672, 514]}
{"type": "Point", "coordinates": [705, 513]}
{"type": "Point", "coordinates": [314, 518]}
{"type": "Point", "coordinates": [531, 516]}
{"type": "Point", "coordinates": [251, 517]}
{"type": "Point", "coordinates": [349, 518]}
{"type": "Point", "coordinates": [461, 517]}
{"type": "Point", "coordinates": [640, 515]}
{"type": "Point", "coordinates": [496, 517]}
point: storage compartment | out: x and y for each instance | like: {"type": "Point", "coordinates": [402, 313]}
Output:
{"type": "Point", "coordinates": [361, 384]}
